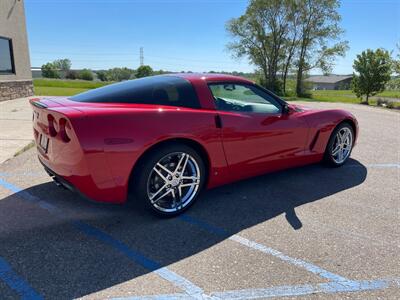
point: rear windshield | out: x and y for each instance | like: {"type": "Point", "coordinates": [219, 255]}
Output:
{"type": "Point", "coordinates": [162, 90]}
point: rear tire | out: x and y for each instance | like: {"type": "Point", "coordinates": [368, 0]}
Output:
{"type": "Point", "coordinates": [340, 145]}
{"type": "Point", "coordinates": [169, 180]}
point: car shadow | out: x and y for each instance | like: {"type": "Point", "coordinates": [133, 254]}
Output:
{"type": "Point", "coordinates": [61, 262]}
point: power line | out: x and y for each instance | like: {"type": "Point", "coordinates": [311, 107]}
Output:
{"type": "Point", "coordinates": [86, 53]}
{"type": "Point", "coordinates": [94, 54]}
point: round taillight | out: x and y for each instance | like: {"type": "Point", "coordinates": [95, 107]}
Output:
{"type": "Point", "coordinates": [52, 125]}
{"type": "Point", "coordinates": [64, 126]}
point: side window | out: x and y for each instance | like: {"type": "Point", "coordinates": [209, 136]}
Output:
{"type": "Point", "coordinates": [6, 56]}
{"type": "Point", "coordinates": [243, 98]}
{"type": "Point", "coordinates": [160, 90]}
{"type": "Point", "coordinates": [167, 94]}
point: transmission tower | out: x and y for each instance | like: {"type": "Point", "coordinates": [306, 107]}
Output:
{"type": "Point", "coordinates": [141, 57]}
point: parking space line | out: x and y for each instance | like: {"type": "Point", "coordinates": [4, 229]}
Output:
{"type": "Point", "coordinates": [259, 247]}
{"type": "Point", "coordinates": [301, 290]}
{"type": "Point", "coordinates": [384, 165]}
{"type": "Point", "coordinates": [159, 297]}
{"type": "Point", "coordinates": [284, 291]}
{"type": "Point", "coordinates": [188, 287]}
{"type": "Point", "coordinates": [137, 257]}
{"type": "Point", "coordinates": [294, 261]}
{"type": "Point", "coordinates": [16, 283]}
{"type": "Point", "coordinates": [388, 165]}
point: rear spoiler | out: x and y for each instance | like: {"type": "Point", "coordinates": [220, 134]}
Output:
{"type": "Point", "coordinates": [36, 102]}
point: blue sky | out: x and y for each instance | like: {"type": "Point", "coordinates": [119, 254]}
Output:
{"type": "Point", "coordinates": [176, 34]}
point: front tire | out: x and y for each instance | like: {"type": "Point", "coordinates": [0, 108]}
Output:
{"type": "Point", "coordinates": [340, 145]}
{"type": "Point", "coordinates": [169, 180]}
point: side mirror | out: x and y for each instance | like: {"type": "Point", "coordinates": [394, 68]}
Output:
{"type": "Point", "coordinates": [285, 109]}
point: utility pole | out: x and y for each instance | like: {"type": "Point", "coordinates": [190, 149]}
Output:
{"type": "Point", "coordinates": [141, 57]}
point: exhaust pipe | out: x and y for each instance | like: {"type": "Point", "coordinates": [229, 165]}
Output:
{"type": "Point", "coordinates": [59, 181]}
{"type": "Point", "coordinates": [55, 180]}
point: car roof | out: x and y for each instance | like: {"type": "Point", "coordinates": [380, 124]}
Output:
{"type": "Point", "coordinates": [212, 77]}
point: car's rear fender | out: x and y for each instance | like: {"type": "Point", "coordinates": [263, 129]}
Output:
{"type": "Point", "coordinates": [68, 154]}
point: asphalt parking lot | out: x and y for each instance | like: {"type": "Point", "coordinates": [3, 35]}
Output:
{"type": "Point", "coordinates": [306, 233]}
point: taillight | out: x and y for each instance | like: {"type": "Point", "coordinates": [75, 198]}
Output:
{"type": "Point", "coordinates": [52, 125]}
{"type": "Point", "coordinates": [64, 127]}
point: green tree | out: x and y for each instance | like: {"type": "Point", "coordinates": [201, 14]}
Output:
{"type": "Point", "coordinates": [319, 37]}
{"type": "Point", "coordinates": [102, 75]}
{"type": "Point", "coordinates": [396, 61]}
{"type": "Point", "coordinates": [291, 43]}
{"type": "Point", "coordinates": [144, 71]}
{"type": "Point", "coordinates": [279, 35]}
{"type": "Point", "coordinates": [71, 74]}
{"type": "Point", "coordinates": [119, 74]}
{"type": "Point", "coordinates": [49, 70]}
{"type": "Point", "coordinates": [62, 64]}
{"type": "Point", "coordinates": [86, 74]}
{"type": "Point", "coordinates": [260, 35]}
{"type": "Point", "coordinates": [373, 69]}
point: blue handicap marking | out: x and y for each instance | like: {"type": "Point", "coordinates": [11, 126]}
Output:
{"type": "Point", "coordinates": [15, 282]}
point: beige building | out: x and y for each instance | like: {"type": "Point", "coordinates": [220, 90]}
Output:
{"type": "Point", "coordinates": [330, 82]}
{"type": "Point", "coordinates": [15, 72]}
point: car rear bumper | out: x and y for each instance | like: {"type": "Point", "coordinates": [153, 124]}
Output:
{"type": "Point", "coordinates": [58, 180]}
{"type": "Point", "coordinates": [84, 186]}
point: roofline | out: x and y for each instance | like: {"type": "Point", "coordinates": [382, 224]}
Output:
{"type": "Point", "coordinates": [212, 77]}
{"type": "Point", "coordinates": [315, 79]}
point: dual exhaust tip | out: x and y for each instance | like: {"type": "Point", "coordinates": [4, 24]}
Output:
{"type": "Point", "coordinates": [58, 182]}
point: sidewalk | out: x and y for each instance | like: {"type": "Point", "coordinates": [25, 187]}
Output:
{"type": "Point", "coordinates": [15, 126]}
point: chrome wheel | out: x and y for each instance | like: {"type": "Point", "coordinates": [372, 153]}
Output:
{"type": "Point", "coordinates": [173, 182]}
{"type": "Point", "coordinates": [342, 145]}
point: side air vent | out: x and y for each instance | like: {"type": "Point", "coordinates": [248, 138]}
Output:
{"type": "Point", "coordinates": [314, 141]}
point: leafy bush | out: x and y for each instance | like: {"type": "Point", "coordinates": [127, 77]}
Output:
{"type": "Point", "coordinates": [380, 102]}
{"type": "Point", "coordinates": [115, 74]}
{"type": "Point", "coordinates": [144, 71]}
{"type": "Point", "coordinates": [393, 84]}
{"type": "Point", "coordinates": [72, 74]}
{"type": "Point", "coordinates": [390, 104]}
{"type": "Point", "coordinates": [102, 75]}
{"type": "Point", "coordinates": [119, 74]}
{"type": "Point", "coordinates": [49, 70]}
{"type": "Point", "coordinates": [86, 74]}
{"type": "Point", "coordinates": [386, 103]}
{"type": "Point", "coordinates": [62, 64]}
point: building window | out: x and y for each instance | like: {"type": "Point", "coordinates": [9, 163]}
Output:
{"type": "Point", "coordinates": [6, 57]}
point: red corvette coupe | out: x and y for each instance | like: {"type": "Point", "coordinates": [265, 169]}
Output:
{"type": "Point", "coordinates": [167, 137]}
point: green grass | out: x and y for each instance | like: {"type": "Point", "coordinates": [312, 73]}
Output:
{"type": "Point", "coordinates": [390, 94]}
{"type": "Point", "coordinates": [349, 94]}
{"type": "Point", "coordinates": [58, 87]}
{"type": "Point", "coordinates": [57, 91]}
{"type": "Point", "coordinates": [25, 148]}
{"type": "Point", "coordinates": [331, 99]}
{"type": "Point", "coordinates": [81, 84]}
{"type": "Point", "coordinates": [323, 97]}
